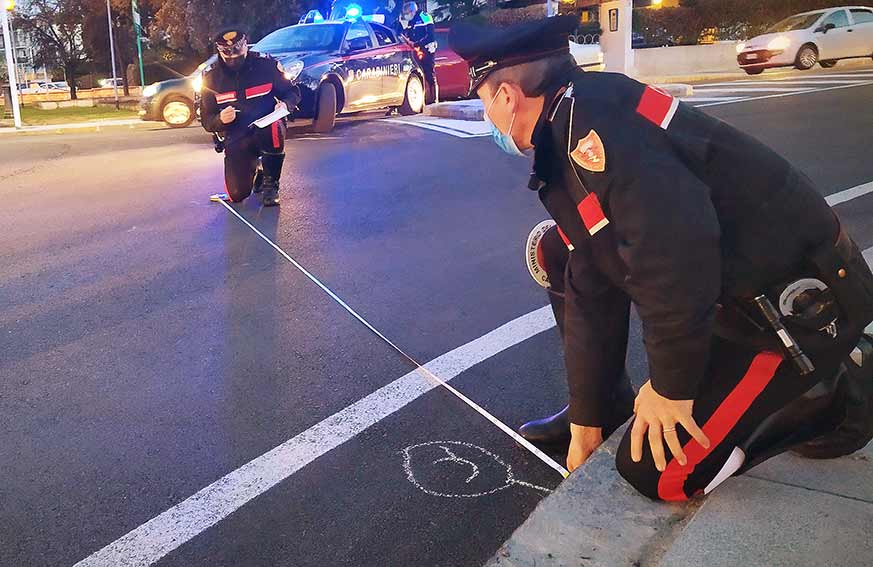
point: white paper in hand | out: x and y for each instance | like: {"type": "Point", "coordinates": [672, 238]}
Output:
{"type": "Point", "coordinates": [270, 118]}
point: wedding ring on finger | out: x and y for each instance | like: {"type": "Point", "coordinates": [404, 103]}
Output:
{"type": "Point", "coordinates": [669, 429]}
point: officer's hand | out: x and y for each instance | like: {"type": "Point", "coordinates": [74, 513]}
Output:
{"type": "Point", "coordinates": [227, 115]}
{"type": "Point", "coordinates": [281, 104]}
{"type": "Point", "coordinates": [585, 440]}
{"type": "Point", "coordinates": [661, 416]}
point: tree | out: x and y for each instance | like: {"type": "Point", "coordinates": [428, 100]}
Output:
{"type": "Point", "coordinates": [95, 34]}
{"type": "Point", "coordinates": [188, 25]}
{"type": "Point", "coordinates": [56, 27]}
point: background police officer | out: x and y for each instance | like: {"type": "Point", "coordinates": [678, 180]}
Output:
{"type": "Point", "coordinates": [695, 223]}
{"type": "Point", "coordinates": [244, 86]}
{"type": "Point", "coordinates": [419, 31]}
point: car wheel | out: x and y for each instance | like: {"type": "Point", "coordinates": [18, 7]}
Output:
{"type": "Point", "coordinates": [325, 118]}
{"type": "Point", "coordinates": [827, 64]}
{"type": "Point", "coordinates": [177, 112]}
{"type": "Point", "coordinates": [413, 100]}
{"type": "Point", "coordinates": [807, 57]}
{"type": "Point", "coordinates": [754, 71]}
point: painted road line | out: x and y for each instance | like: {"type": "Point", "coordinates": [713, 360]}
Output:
{"type": "Point", "coordinates": [780, 82]}
{"type": "Point", "coordinates": [535, 451]}
{"type": "Point", "coordinates": [751, 89]}
{"type": "Point", "coordinates": [709, 98]}
{"type": "Point", "coordinates": [849, 194]}
{"type": "Point", "coordinates": [156, 538]}
{"type": "Point", "coordinates": [457, 128]}
{"type": "Point", "coordinates": [783, 95]}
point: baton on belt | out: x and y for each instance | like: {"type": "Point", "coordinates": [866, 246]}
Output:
{"type": "Point", "coordinates": [800, 360]}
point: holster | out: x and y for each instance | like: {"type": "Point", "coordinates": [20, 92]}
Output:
{"type": "Point", "coordinates": [841, 266]}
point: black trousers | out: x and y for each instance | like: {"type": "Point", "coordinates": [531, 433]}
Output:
{"type": "Point", "coordinates": [241, 157]}
{"type": "Point", "coordinates": [745, 401]}
{"type": "Point", "coordinates": [427, 67]}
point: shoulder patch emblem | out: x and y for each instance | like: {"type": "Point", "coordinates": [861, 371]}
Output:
{"type": "Point", "coordinates": [589, 153]}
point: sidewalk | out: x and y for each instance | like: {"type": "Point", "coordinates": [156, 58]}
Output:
{"type": "Point", "coordinates": [130, 122]}
{"type": "Point", "coordinates": [790, 512]}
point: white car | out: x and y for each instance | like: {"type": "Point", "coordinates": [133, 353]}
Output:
{"type": "Point", "coordinates": [110, 83]}
{"type": "Point", "coordinates": [823, 37]}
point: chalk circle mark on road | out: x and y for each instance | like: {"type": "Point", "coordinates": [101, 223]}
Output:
{"type": "Point", "coordinates": [455, 469]}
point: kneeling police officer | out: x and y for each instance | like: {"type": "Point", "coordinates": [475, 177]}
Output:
{"type": "Point", "coordinates": [753, 328]}
{"type": "Point", "coordinates": [242, 87]}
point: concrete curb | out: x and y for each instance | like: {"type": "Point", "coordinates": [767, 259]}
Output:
{"type": "Point", "coordinates": [131, 122]}
{"type": "Point", "coordinates": [595, 519]}
{"type": "Point", "coordinates": [474, 110]}
{"type": "Point", "coordinates": [457, 110]}
{"type": "Point", "coordinates": [739, 74]}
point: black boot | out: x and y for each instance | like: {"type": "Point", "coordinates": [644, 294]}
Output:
{"type": "Point", "coordinates": [852, 409]}
{"type": "Point", "coordinates": [272, 164]}
{"type": "Point", "coordinates": [554, 431]}
{"type": "Point", "coordinates": [258, 185]}
{"type": "Point", "coordinates": [551, 431]}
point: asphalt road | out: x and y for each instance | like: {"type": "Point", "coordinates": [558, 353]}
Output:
{"type": "Point", "coordinates": [152, 344]}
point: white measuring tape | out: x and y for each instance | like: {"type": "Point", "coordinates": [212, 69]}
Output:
{"type": "Point", "coordinates": [421, 369]}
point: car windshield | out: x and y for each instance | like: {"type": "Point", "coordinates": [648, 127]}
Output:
{"type": "Point", "coordinates": [794, 23]}
{"type": "Point", "coordinates": [305, 37]}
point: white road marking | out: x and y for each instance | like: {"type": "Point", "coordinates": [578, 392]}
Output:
{"type": "Point", "coordinates": [457, 128]}
{"type": "Point", "coordinates": [849, 194]}
{"type": "Point", "coordinates": [709, 98]}
{"type": "Point", "coordinates": [419, 368]}
{"type": "Point", "coordinates": [737, 89]}
{"type": "Point", "coordinates": [783, 95]}
{"type": "Point", "coordinates": [158, 537]}
{"type": "Point", "coordinates": [813, 82]}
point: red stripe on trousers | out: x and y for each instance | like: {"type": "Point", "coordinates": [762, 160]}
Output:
{"type": "Point", "coordinates": [275, 128]}
{"type": "Point", "coordinates": [671, 485]}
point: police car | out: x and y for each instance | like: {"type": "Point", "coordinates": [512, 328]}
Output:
{"type": "Point", "coordinates": [344, 66]}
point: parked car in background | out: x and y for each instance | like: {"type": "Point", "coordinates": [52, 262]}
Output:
{"type": "Point", "coordinates": [57, 86]}
{"type": "Point", "coordinates": [109, 83]}
{"type": "Point", "coordinates": [172, 101]}
{"type": "Point", "coordinates": [822, 36]}
{"type": "Point", "coordinates": [33, 88]}
{"type": "Point", "coordinates": [452, 72]}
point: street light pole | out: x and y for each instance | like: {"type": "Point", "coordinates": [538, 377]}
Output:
{"type": "Point", "coordinates": [112, 50]}
{"type": "Point", "coordinates": [10, 66]}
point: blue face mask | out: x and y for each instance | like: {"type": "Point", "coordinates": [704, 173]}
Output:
{"type": "Point", "coordinates": [503, 141]}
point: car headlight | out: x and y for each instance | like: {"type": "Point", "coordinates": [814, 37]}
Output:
{"type": "Point", "coordinates": [741, 46]}
{"type": "Point", "coordinates": [779, 43]}
{"type": "Point", "coordinates": [292, 71]}
{"type": "Point", "coordinates": [150, 90]}
{"type": "Point", "coordinates": [197, 83]}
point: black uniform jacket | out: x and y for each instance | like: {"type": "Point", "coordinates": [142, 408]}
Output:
{"type": "Point", "coordinates": [421, 30]}
{"type": "Point", "coordinates": [253, 90]}
{"type": "Point", "coordinates": [669, 209]}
